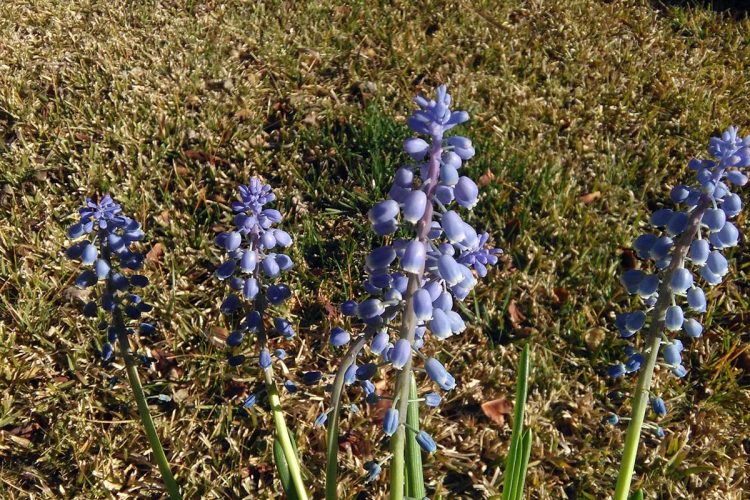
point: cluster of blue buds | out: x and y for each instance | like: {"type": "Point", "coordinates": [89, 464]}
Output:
{"type": "Point", "coordinates": [103, 239]}
{"type": "Point", "coordinates": [253, 263]}
{"type": "Point", "coordinates": [687, 243]}
{"type": "Point", "coordinates": [419, 278]}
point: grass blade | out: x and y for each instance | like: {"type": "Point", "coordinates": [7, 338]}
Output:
{"type": "Point", "coordinates": [515, 453]}
{"type": "Point", "coordinates": [523, 464]}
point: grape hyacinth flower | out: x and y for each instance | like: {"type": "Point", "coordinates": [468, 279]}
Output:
{"type": "Point", "coordinates": [414, 280]}
{"type": "Point", "coordinates": [104, 240]}
{"type": "Point", "coordinates": [252, 266]}
{"type": "Point", "coordinates": [686, 250]}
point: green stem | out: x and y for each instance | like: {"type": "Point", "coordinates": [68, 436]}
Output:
{"type": "Point", "coordinates": [653, 342]}
{"type": "Point", "coordinates": [398, 440]}
{"type": "Point", "coordinates": [415, 477]}
{"type": "Point", "coordinates": [274, 401]}
{"type": "Point", "coordinates": [140, 399]}
{"type": "Point", "coordinates": [332, 434]}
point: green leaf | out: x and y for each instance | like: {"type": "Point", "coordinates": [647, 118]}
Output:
{"type": "Point", "coordinates": [283, 468]}
{"type": "Point", "coordinates": [638, 495]}
{"type": "Point", "coordinates": [414, 474]}
{"type": "Point", "coordinates": [515, 465]}
{"type": "Point", "coordinates": [523, 464]}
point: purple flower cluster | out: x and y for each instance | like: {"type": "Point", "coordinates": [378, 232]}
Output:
{"type": "Point", "coordinates": [686, 243]}
{"type": "Point", "coordinates": [253, 262]}
{"type": "Point", "coordinates": [420, 278]}
{"type": "Point", "coordinates": [103, 238]}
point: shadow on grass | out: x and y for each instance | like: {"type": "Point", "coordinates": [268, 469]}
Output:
{"type": "Point", "coordinates": [738, 9]}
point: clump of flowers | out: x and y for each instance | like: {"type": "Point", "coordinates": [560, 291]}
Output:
{"type": "Point", "coordinates": [104, 239]}
{"type": "Point", "coordinates": [252, 268]}
{"type": "Point", "coordinates": [686, 250]}
{"type": "Point", "coordinates": [415, 280]}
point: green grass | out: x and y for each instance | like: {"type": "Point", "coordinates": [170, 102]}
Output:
{"type": "Point", "coordinates": [170, 104]}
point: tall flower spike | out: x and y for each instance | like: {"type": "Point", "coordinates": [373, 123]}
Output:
{"type": "Point", "coordinates": [104, 241]}
{"type": "Point", "coordinates": [685, 249]}
{"type": "Point", "coordinates": [252, 264]}
{"type": "Point", "coordinates": [417, 280]}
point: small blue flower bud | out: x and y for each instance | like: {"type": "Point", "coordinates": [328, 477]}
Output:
{"type": "Point", "coordinates": [390, 421]}
{"type": "Point", "coordinates": [672, 353]}
{"type": "Point", "coordinates": [379, 342]}
{"type": "Point", "coordinates": [422, 304]}
{"type": "Point", "coordinates": [383, 212]}
{"type": "Point", "coordinates": [339, 337]}
{"type": "Point", "coordinates": [373, 471]}
{"type": "Point", "coordinates": [673, 318]}
{"type": "Point", "coordinates": [234, 339]}
{"type": "Point", "coordinates": [349, 308]}
{"type": "Point", "coordinates": [350, 375]}
{"type": "Point", "coordinates": [714, 219]}
{"type": "Point", "coordinates": [284, 327]}
{"type": "Point", "coordinates": [692, 328]}
{"type": "Point", "coordinates": [367, 371]}
{"type": "Point", "coordinates": [438, 374]}
{"type": "Point", "coordinates": [250, 401]}
{"type": "Point", "coordinates": [264, 359]}
{"type": "Point", "coordinates": [682, 279]}
{"type": "Point", "coordinates": [400, 354]}
{"type": "Point", "coordinates": [311, 377]}
{"type": "Point", "coordinates": [250, 288]}
{"type": "Point", "coordinates": [466, 192]}
{"type": "Point", "coordinates": [370, 308]}
{"type": "Point", "coordinates": [432, 399]}
{"type": "Point", "coordinates": [717, 263]}
{"type": "Point", "coordinates": [415, 203]}
{"type": "Point", "coordinates": [225, 270]}
{"type": "Point", "coordinates": [414, 257]}
{"type": "Point", "coordinates": [321, 419]}
{"type": "Point", "coordinates": [440, 325]}
{"type": "Point", "coordinates": [659, 407]}
{"type": "Point", "coordinates": [290, 386]}
{"type": "Point", "coordinates": [661, 217]}
{"type": "Point", "coordinates": [696, 299]}
{"type": "Point", "coordinates": [416, 148]}
{"type": "Point", "coordinates": [426, 442]}
{"type": "Point", "coordinates": [107, 351]}
{"type": "Point", "coordinates": [616, 371]}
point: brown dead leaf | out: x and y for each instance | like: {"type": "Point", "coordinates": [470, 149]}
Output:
{"type": "Point", "coordinates": [497, 409]}
{"type": "Point", "coordinates": [243, 114]}
{"type": "Point", "coordinates": [486, 178]}
{"type": "Point", "coordinates": [594, 337]}
{"type": "Point", "coordinates": [560, 294]}
{"type": "Point", "coordinates": [217, 335]}
{"type": "Point", "coordinates": [589, 198]}
{"type": "Point", "coordinates": [156, 252]}
{"type": "Point", "coordinates": [628, 259]}
{"type": "Point", "coordinates": [166, 364]}
{"type": "Point", "coordinates": [515, 314]}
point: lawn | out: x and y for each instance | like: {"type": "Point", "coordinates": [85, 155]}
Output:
{"type": "Point", "coordinates": [584, 114]}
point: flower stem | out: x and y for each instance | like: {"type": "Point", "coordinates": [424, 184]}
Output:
{"type": "Point", "coordinates": [408, 327]}
{"type": "Point", "coordinates": [274, 401]}
{"type": "Point", "coordinates": [332, 435]}
{"type": "Point", "coordinates": [653, 342]}
{"type": "Point", "coordinates": [140, 399]}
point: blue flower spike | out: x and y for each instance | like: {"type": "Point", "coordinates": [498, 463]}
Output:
{"type": "Point", "coordinates": [252, 266]}
{"type": "Point", "coordinates": [683, 254]}
{"type": "Point", "coordinates": [430, 262]}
